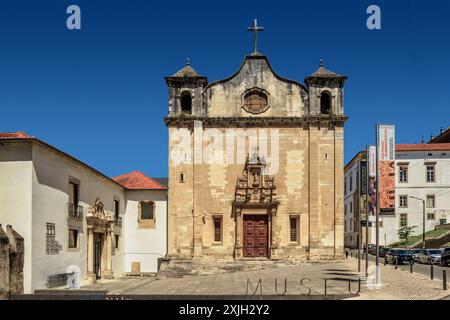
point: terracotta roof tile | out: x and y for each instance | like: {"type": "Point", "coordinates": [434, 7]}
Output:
{"type": "Point", "coordinates": [423, 147]}
{"type": "Point", "coordinates": [138, 181]}
{"type": "Point", "coordinates": [14, 135]}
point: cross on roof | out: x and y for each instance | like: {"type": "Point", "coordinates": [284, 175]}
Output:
{"type": "Point", "coordinates": [255, 29]}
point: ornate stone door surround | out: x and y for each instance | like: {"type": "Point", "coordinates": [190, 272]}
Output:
{"type": "Point", "coordinates": [99, 221]}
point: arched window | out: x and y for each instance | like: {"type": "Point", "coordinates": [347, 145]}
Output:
{"type": "Point", "coordinates": [325, 103]}
{"type": "Point", "coordinates": [186, 102]}
{"type": "Point", "coordinates": [255, 101]}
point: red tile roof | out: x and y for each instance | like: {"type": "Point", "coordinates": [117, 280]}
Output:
{"type": "Point", "coordinates": [423, 147]}
{"type": "Point", "coordinates": [138, 181]}
{"type": "Point", "coordinates": [14, 135]}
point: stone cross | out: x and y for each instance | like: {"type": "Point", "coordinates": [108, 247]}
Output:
{"type": "Point", "coordinates": [255, 29]}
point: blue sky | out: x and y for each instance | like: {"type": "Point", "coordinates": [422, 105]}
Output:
{"type": "Point", "coordinates": [98, 93]}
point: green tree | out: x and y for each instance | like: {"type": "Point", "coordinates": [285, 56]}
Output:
{"type": "Point", "coordinates": [404, 233]}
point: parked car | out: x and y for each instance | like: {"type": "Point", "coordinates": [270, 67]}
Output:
{"type": "Point", "coordinates": [372, 249]}
{"type": "Point", "coordinates": [402, 255]}
{"type": "Point", "coordinates": [382, 251]}
{"type": "Point", "coordinates": [430, 256]}
{"type": "Point", "coordinates": [415, 254]}
{"type": "Point", "coordinates": [445, 257]}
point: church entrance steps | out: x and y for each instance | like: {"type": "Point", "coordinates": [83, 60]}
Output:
{"type": "Point", "coordinates": [178, 268]}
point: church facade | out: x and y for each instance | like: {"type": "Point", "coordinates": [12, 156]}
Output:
{"type": "Point", "coordinates": [256, 165]}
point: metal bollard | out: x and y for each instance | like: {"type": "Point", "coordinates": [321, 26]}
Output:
{"type": "Point", "coordinates": [431, 271]}
{"type": "Point", "coordinates": [411, 266]}
{"type": "Point", "coordinates": [396, 263]}
{"type": "Point", "coordinates": [385, 262]}
{"type": "Point", "coordinates": [444, 279]}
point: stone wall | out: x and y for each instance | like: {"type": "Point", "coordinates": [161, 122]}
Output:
{"type": "Point", "coordinates": [11, 262]}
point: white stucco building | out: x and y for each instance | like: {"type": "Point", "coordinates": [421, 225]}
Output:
{"type": "Point", "coordinates": [73, 217]}
{"type": "Point", "coordinates": [422, 171]}
{"type": "Point", "coordinates": [352, 199]}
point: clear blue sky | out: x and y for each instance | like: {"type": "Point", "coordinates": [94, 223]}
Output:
{"type": "Point", "coordinates": [99, 93]}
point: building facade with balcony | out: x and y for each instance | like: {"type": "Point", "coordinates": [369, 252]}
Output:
{"type": "Point", "coordinates": [73, 218]}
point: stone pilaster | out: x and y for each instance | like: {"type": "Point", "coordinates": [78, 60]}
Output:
{"type": "Point", "coordinates": [90, 275]}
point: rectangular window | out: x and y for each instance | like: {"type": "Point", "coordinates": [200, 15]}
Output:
{"type": "Point", "coordinates": [217, 229]}
{"type": "Point", "coordinates": [431, 201]}
{"type": "Point", "coordinates": [431, 216]}
{"type": "Point", "coordinates": [431, 175]}
{"type": "Point", "coordinates": [293, 227]}
{"type": "Point", "coordinates": [351, 207]}
{"type": "Point", "coordinates": [403, 201]}
{"type": "Point", "coordinates": [73, 238]}
{"type": "Point", "coordinates": [182, 178]}
{"type": "Point", "coordinates": [116, 241]}
{"type": "Point", "coordinates": [403, 176]}
{"type": "Point", "coordinates": [345, 185]}
{"type": "Point", "coordinates": [147, 208]}
{"type": "Point", "coordinates": [73, 193]}
{"type": "Point", "coordinates": [351, 182]}
{"type": "Point", "coordinates": [403, 219]}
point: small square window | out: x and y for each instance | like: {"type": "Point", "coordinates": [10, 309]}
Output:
{"type": "Point", "coordinates": [431, 216]}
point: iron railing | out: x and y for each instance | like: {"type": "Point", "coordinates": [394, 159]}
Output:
{"type": "Point", "coordinates": [75, 211]}
{"type": "Point", "coordinates": [57, 280]}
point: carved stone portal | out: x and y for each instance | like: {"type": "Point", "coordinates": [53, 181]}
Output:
{"type": "Point", "coordinates": [254, 195]}
{"type": "Point", "coordinates": [100, 227]}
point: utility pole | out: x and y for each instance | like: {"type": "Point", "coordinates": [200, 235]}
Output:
{"type": "Point", "coordinates": [367, 211]}
{"type": "Point", "coordinates": [377, 212]}
{"type": "Point", "coordinates": [423, 220]}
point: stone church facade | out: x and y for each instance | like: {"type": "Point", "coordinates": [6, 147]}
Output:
{"type": "Point", "coordinates": [272, 188]}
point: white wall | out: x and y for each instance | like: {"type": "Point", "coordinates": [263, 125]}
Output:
{"type": "Point", "coordinates": [15, 196]}
{"type": "Point", "coordinates": [51, 173]}
{"type": "Point", "coordinates": [418, 187]}
{"type": "Point", "coordinates": [145, 245]}
{"type": "Point", "coordinates": [351, 173]}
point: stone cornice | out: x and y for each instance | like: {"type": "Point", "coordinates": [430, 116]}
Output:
{"type": "Point", "coordinates": [257, 122]}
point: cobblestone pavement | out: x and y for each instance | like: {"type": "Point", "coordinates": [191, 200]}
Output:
{"type": "Point", "coordinates": [397, 284]}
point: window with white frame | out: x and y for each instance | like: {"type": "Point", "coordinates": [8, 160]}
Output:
{"type": "Point", "coordinates": [431, 201]}
{"type": "Point", "coordinates": [431, 173]}
{"type": "Point", "coordinates": [403, 174]}
{"type": "Point", "coordinates": [403, 201]}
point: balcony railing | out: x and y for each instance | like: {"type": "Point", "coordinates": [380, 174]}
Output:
{"type": "Point", "coordinates": [75, 211]}
{"type": "Point", "coordinates": [118, 221]}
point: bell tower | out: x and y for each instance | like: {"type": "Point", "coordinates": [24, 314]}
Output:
{"type": "Point", "coordinates": [326, 92]}
{"type": "Point", "coordinates": [186, 92]}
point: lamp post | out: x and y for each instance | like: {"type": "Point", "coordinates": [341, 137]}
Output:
{"type": "Point", "coordinates": [423, 222]}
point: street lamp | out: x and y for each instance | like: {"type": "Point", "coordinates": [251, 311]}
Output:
{"type": "Point", "coordinates": [423, 234]}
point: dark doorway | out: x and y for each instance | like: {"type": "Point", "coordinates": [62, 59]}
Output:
{"type": "Point", "coordinates": [98, 246]}
{"type": "Point", "coordinates": [256, 231]}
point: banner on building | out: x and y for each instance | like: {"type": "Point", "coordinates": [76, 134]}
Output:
{"type": "Point", "coordinates": [386, 168]}
{"type": "Point", "coordinates": [372, 172]}
{"type": "Point", "coordinates": [362, 178]}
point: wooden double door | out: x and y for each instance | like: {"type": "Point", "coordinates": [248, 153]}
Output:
{"type": "Point", "coordinates": [256, 236]}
